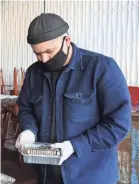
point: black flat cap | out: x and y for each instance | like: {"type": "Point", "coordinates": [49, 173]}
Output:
{"type": "Point", "coordinates": [46, 26]}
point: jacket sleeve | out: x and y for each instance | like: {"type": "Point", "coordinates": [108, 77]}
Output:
{"type": "Point", "coordinates": [115, 108]}
{"type": "Point", "coordinates": [25, 113]}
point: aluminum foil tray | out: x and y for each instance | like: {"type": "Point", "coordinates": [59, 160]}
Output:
{"type": "Point", "coordinates": [41, 153]}
{"type": "Point", "coordinates": [5, 179]}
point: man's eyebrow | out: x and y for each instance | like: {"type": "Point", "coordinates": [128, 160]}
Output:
{"type": "Point", "coordinates": [48, 50]}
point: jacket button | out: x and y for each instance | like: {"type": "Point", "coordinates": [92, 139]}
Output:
{"type": "Point", "coordinates": [49, 117]}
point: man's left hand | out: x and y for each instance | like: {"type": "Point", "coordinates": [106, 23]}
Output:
{"type": "Point", "coordinates": [66, 148]}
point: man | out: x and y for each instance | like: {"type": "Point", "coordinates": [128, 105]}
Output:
{"type": "Point", "coordinates": [75, 99]}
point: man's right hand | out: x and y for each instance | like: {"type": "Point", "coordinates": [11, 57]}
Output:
{"type": "Point", "coordinates": [25, 137]}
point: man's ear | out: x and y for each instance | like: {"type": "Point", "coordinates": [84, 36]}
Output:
{"type": "Point", "coordinates": [68, 40]}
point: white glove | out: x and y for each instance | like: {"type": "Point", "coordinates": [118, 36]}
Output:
{"type": "Point", "coordinates": [66, 148]}
{"type": "Point", "coordinates": [24, 137]}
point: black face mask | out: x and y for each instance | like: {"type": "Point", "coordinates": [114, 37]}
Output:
{"type": "Point", "coordinates": [57, 62]}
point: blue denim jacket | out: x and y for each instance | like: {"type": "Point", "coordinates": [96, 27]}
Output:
{"type": "Point", "coordinates": [93, 111]}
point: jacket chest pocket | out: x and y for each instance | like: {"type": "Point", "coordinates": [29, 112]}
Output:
{"type": "Point", "coordinates": [36, 102]}
{"type": "Point", "coordinates": [78, 107]}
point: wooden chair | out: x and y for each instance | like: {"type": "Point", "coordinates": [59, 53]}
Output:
{"type": "Point", "coordinates": [10, 118]}
{"type": "Point", "coordinates": [3, 116]}
{"type": "Point", "coordinates": [22, 76]}
{"type": "Point", "coordinates": [134, 93]}
{"type": "Point", "coordinates": [15, 84]}
{"type": "Point", "coordinates": [2, 84]}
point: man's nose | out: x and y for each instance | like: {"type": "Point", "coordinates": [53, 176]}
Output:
{"type": "Point", "coordinates": [45, 58]}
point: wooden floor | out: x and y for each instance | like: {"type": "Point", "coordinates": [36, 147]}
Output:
{"type": "Point", "coordinates": [128, 162]}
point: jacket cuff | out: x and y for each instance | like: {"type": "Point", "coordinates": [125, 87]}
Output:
{"type": "Point", "coordinates": [80, 145]}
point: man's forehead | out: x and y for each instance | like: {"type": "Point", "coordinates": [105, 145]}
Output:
{"type": "Point", "coordinates": [44, 46]}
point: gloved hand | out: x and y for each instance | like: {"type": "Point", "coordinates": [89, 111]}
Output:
{"type": "Point", "coordinates": [24, 137]}
{"type": "Point", "coordinates": [66, 148]}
